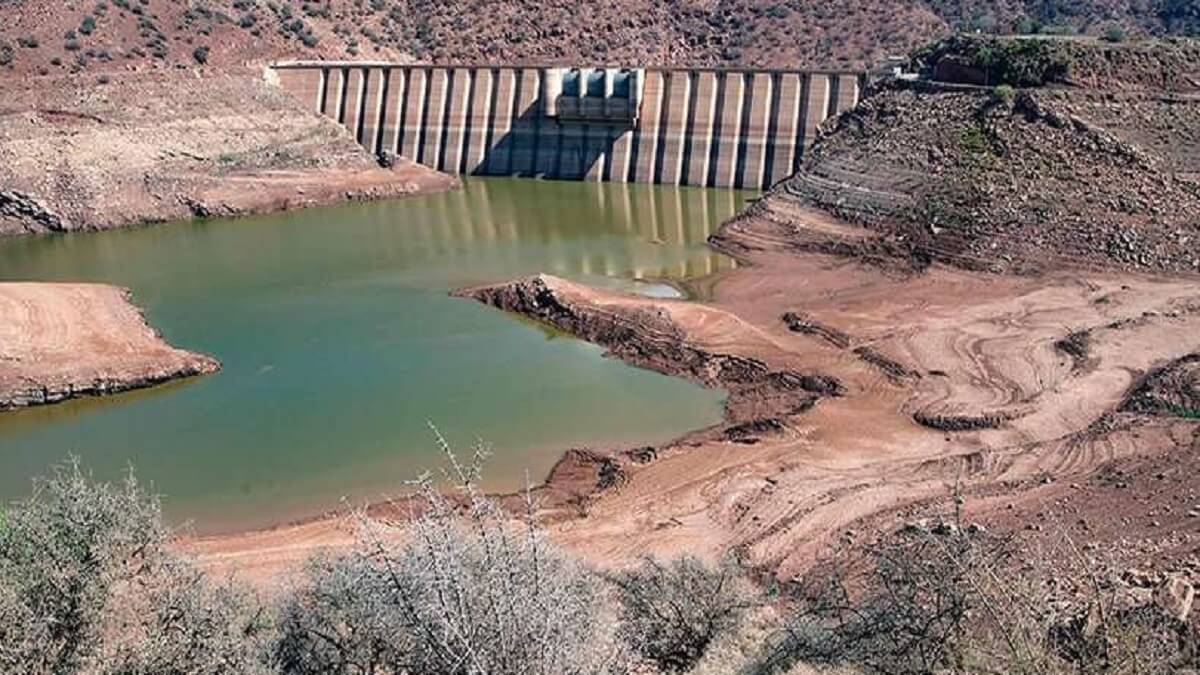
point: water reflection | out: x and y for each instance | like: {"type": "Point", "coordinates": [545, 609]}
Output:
{"type": "Point", "coordinates": [339, 341]}
{"type": "Point", "coordinates": [634, 231]}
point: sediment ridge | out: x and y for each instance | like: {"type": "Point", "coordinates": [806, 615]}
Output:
{"type": "Point", "coordinates": [652, 335]}
{"type": "Point", "coordinates": [928, 395]}
{"type": "Point", "coordinates": [821, 442]}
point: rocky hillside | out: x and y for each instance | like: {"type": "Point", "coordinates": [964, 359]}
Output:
{"type": "Point", "coordinates": [40, 36]}
{"type": "Point", "coordinates": [148, 147]}
{"type": "Point", "coordinates": [1019, 178]}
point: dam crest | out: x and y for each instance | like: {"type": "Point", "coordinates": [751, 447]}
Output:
{"type": "Point", "coordinates": [701, 127]}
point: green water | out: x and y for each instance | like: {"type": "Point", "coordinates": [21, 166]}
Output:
{"type": "Point", "coordinates": [339, 344]}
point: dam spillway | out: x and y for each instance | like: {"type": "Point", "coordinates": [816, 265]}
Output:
{"type": "Point", "coordinates": [702, 127]}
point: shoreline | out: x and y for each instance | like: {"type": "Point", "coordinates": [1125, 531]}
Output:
{"type": "Point", "coordinates": [825, 436]}
{"type": "Point", "coordinates": [152, 147]}
{"type": "Point", "coordinates": [63, 341]}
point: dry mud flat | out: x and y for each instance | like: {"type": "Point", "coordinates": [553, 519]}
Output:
{"type": "Point", "coordinates": [62, 341]}
{"type": "Point", "coordinates": [860, 397]}
{"type": "Point", "coordinates": [78, 153]}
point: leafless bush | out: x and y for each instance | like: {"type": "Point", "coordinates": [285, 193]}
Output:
{"type": "Point", "coordinates": [88, 586]}
{"type": "Point", "coordinates": [471, 592]}
{"type": "Point", "coordinates": [950, 601]}
{"type": "Point", "coordinates": [343, 618]}
{"type": "Point", "coordinates": [908, 618]}
{"type": "Point", "coordinates": [672, 612]}
{"type": "Point", "coordinates": [173, 620]}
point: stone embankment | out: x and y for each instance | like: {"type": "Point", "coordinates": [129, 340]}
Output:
{"type": "Point", "coordinates": [65, 341]}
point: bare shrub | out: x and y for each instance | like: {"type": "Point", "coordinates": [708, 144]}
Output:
{"type": "Point", "coordinates": [342, 618]}
{"type": "Point", "coordinates": [171, 619]}
{"type": "Point", "coordinates": [472, 591]}
{"type": "Point", "coordinates": [908, 617]}
{"type": "Point", "coordinates": [672, 612]}
{"type": "Point", "coordinates": [87, 586]}
{"type": "Point", "coordinates": [950, 601]}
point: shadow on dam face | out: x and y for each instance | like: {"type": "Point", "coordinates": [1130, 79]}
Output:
{"type": "Point", "coordinates": [701, 127]}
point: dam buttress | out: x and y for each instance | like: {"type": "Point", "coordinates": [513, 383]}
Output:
{"type": "Point", "coordinates": [703, 127]}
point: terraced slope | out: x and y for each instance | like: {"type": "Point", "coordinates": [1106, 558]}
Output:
{"type": "Point", "coordinates": [1019, 179]}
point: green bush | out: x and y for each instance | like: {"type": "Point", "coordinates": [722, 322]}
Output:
{"type": "Point", "coordinates": [1027, 26]}
{"type": "Point", "coordinates": [974, 141]}
{"type": "Point", "coordinates": [200, 54]}
{"type": "Point", "coordinates": [1015, 62]}
{"type": "Point", "coordinates": [1115, 33]}
{"type": "Point", "coordinates": [1003, 94]}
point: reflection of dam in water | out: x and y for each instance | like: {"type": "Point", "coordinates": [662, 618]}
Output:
{"type": "Point", "coordinates": [466, 226]}
{"type": "Point", "coordinates": [339, 340]}
{"type": "Point", "coordinates": [703, 127]}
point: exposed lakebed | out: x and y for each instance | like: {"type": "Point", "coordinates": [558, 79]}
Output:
{"type": "Point", "coordinates": [340, 344]}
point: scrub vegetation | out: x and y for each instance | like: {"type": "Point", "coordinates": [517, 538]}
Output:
{"type": "Point", "coordinates": [788, 33]}
{"type": "Point", "coordinates": [90, 584]}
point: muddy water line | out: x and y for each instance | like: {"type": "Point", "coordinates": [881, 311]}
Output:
{"type": "Point", "coordinates": [339, 344]}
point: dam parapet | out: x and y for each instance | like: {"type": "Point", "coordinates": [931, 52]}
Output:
{"type": "Point", "coordinates": [704, 127]}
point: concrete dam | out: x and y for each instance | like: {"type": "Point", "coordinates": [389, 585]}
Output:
{"type": "Point", "coordinates": [703, 127]}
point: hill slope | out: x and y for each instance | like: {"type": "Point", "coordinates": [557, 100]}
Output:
{"type": "Point", "coordinates": [39, 36]}
{"type": "Point", "coordinates": [1020, 179]}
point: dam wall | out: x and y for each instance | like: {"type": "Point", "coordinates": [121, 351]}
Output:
{"type": "Point", "coordinates": [702, 127]}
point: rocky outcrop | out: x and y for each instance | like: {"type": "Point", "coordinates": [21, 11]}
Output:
{"type": "Point", "coordinates": [28, 212]}
{"type": "Point", "coordinates": [1175, 597]}
{"type": "Point", "coordinates": [26, 392]}
{"type": "Point", "coordinates": [1009, 181]}
{"type": "Point", "coordinates": [1172, 390]}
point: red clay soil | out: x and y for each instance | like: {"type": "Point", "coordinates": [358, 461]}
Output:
{"type": "Point", "coordinates": [944, 378]}
{"type": "Point", "coordinates": [63, 341]}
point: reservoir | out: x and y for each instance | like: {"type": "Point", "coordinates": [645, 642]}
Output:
{"type": "Point", "coordinates": [340, 345]}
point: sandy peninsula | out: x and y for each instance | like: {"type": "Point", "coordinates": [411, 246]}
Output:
{"type": "Point", "coordinates": [64, 341]}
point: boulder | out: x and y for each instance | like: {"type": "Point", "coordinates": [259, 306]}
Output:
{"type": "Point", "coordinates": [1175, 596]}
